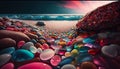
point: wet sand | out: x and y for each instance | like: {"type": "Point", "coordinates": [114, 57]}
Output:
{"type": "Point", "coordinates": [58, 26]}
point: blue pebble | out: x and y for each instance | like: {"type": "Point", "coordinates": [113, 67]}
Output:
{"type": "Point", "coordinates": [22, 55]}
{"type": "Point", "coordinates": [84, 58]}
{"type": "Point", "coordinates": [67, 60]}
{"type": "Point", "coordinates": [84, 49]}
{"type": "Point", "coordinates": [68, 49]}
{"type": "Point", "coordinates": [88, 40]}
{"type": "Point", "coordinates": [9, 50]}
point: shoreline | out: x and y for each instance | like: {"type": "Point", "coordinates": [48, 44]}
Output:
{"type": "Point", "coordinates": [52, 25]}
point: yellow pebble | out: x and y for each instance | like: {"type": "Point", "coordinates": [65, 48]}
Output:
{"type": "Point", "coordinates": [74, 52]}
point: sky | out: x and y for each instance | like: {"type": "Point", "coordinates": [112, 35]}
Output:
{"type": "Point", "coordinates": [49, 7]}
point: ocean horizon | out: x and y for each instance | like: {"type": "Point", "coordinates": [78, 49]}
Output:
{"type": "Point", "coordinates": [46, 17]}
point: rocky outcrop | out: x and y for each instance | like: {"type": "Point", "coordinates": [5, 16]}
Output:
{"type": "Point", "coordinates": [105, 18]}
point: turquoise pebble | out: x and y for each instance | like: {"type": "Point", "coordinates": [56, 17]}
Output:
{"type": "Point", "coordinates": [67, 60]}
{"type": "Point", "coordinates": [22, 55]}
{"type": "Point", "coordinates": [88, 40]}
{"type": "Point", "coordinates": [9, 50]}
{"type": "Point", "coordinates": [4, 58]}
{"type": "Point", "coordinates": [68, 49]}
{"type": "Point", "coordinates": [84, 49]}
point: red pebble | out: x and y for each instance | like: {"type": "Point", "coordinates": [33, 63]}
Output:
{"type": "Point", "coordinates": [93, 51]}
{"type": "Point", "coordinates": [20, 43]}
{"type": "Point", "coordinates": [103, 42]}
{"type": "Point", "coordinates": [8, 66]}
{"type": "Point", "coordinates": [69, 43]}
{"type": "Point", "coordinates": [45, 46]}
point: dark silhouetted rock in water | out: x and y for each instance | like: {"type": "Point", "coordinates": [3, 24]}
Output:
{"type": "Point", "coordinates": [105, 18]}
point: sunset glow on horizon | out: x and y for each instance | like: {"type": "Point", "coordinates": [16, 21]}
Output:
{"type": "Point", "coordinates": [83, 7]}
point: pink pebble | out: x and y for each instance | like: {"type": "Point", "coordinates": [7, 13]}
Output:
{"type": "Point", "coordinates": [101, 68]}
{"type": "Point", "coordinates": [69, 43]}
{"type": "Point", "coordinates": [55, 60]}
{"type": "Point", "coordinates": [8, 66]}
{"type": "Point", "coordinates": [20, 44]}
{"type": "Point", "coordinates": [47, 54]}
{"type": "Point", "coordinates": [45, 46]}
{"type": "Point", "coordinates": [61, 52]}
{"type": "Point", "coordinates": [35, 65]}
{"type": "Point", "coordinates": [9, 28]}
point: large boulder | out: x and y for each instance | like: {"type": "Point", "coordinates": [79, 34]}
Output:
{"type": "Point", "coordinates": [17, 36]}
{"type": "Point", "coordinates": [106, 18]}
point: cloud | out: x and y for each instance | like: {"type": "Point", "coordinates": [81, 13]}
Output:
{"type": "Point", "coordinates": [83, 7]}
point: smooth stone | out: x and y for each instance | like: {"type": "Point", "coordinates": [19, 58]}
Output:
{"type": "Point", "coordinates": [93, 51]}
{"type": "Point", "coordinates": [79, 38]}
{"type": "Point", "coordinates": [45, 46]}
{"type": "Point", "coordinates": [102, 35]}
{"type": "Point", "coordinates": [4, 58]}
{"type": "Point", "coordinates": [74, 52]}
{"type": "Point", "coordinates": [9, 50]}
{"type": "Point", "coordinates": [33, 49]}
{"type": "Point", "coordinates": [84, 58]}
{"type": "Point", "coordinates": [115, 45]}
{"type": "Point", "coordinates": [78, 46]}
{"type": "Point", "coordinates": [8, 23]}
{"type": "Point", "coordinates": [104, 42]}
{"type": "Point", "coordinates": [69, 43]}
{"type": "Point", "coordinates": [7, 42]}
{"type": "Point", "coordinates": [39, 50]}
{"type": "Point", "coordinates": [47, 54]}
{"type": "Point", "coordinates": [22, 55]}
{"type": "Point", "coordinates": [51, 40]}
{"type": "Point", "coordinates": [8, 66]}
{"type": "Point", "coordinates": [88, 40]}
{"type": "Point", "coordinates": [84, 49]}
{"type": "Point", "coordinates": [98, 62]}
{"type": "Point", "coordinates": [110, 51]}
{"type": "Point", "coordinates": [101, 68]}
{"type": "Point", "coordinates": [67, 54]}
{"type": "Point", "coordinates": [55, 60]}
{"type": "Point", "coordinates": [32, 36]}
{"type": "Point", "coordinates": [33, 41]}
{"type": "Point", "coordinates": [18, 64]}
{"type": "Point", "coordinates": [10, 28]}
{"type": "Point", "coordinates": [38, 45]}
{"type": "Point", "coordinates": [20, 44]}
{"type": "Point", "coordinates": [91, 45]}
{"type": "Point", "coordinates": [35, 65]}
{"type": "Point", "coordinates": [63, 57]}
{"type": "Point", "coordinates": [67, 60]}
{"type": "Point", "coordinates": [68, 66]}
{"type": "Point", "coordinates": [27, 45]}
{"type": "Point", "coordinates": [88, 65]}
{"type": "Point", "coordinates": [68, 49]}
{"type": "Point", "coordinates": [61, 52]}
{"type": "Point", "coordinates": [13, 35]}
